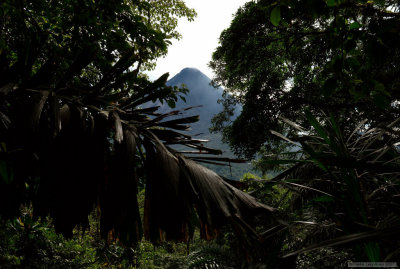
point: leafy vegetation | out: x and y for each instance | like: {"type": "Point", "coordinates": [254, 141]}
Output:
{"type": "Point", "coordinates": [74, 137]}
{"type": "Point", "coordinates": [319, 89]}
{"type": "Point", "coordinates": [332, 56]}
{"type": "Point", "coordinates": [73, 134]}
{"type": "Point", "coordinates": [80, 158]}
{"type": "Point", "coordinates": [350, 184]}
{"type": "Point", "coordinates": [26, 243]}
{"type": "Point", "coordinates": [29, 243]}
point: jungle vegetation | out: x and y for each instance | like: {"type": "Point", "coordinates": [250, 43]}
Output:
{"type": "Point", "coordinates": [78, 155]}
{"type": "Point", "coordinates": [319, 86]}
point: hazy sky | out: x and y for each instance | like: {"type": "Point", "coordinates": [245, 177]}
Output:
{"type": "Point", "coordinates": [199, 37]}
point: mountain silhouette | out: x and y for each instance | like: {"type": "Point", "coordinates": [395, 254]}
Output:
{"type": "Point", "coordinates": [202, 94]}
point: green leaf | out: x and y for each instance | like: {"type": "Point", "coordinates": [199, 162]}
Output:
{"type": "Point", "coordinates": [184, 120]}
{"type": "Point", "coordinates": [372, 250]}
{"type": "Point", "coordinates": [314, 156]}
{"type": "Point", "coordinates": [318, 127]}
{"type": "Point", "coordinates": [276, 15]}
{"type": "Point", "coordinates": [335, 126]}
{"type": "Point", "coordinates": [354, 25]}
{"type": "Point", "coordinates": [331, 3]}
{"type": "Point", "coordinates": [380, 3]}
{"type": "Point", "coordinates": [171, 103]}
{"type": "Point", "coordinates": [7, 175]}
{"type": "Point", "coordinates": [3, 147]}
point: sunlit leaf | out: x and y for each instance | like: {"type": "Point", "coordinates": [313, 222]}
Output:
{"type": "Point", "coordinates": [275, 15]}
{"type": "Point", "coordinates": [354, 25]}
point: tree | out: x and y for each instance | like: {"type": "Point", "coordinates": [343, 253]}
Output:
{"type": "Point", "coordinates": [73, 135]}
{"type": "Point", "coordinates": [322, 76]}
{"type": "Point", "coordinates": [278, 58]}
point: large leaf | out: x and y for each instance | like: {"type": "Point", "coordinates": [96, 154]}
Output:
{"type": "Point", "coordinates": [177, 123]}
{"type": "Point", "coordinates": [219, 203]}
{"type": "Point", "coordinates": [73, 165]}
{"type": "Point", "coordinates": [352, 238]}
{"type": "Point", "coordinates": [181, 184]}
{"type": "Point", "coordinates": [275, 16]}
{"type": "Point", "coordinates": [119, 208]}
{"type": "Point", "coordinates": [119, 134]}
{"type": "Point", "coordinates": [38, 101]}
{"type": "Point", "coordinates": [167, 208]}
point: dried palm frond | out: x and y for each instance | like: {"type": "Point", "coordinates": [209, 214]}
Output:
{"type": "Point", "coordinates": [183, 185]}
{"type": "Point", "coordinates": [92, 159]}
{"type": "Point", "coordinates": [218, 203]}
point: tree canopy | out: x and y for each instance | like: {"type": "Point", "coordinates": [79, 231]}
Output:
{"type": "Point", "coordinates": [278, 58]}
{"type": "Point", "coordinates": [73, 134]}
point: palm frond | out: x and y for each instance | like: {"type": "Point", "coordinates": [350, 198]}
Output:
{"type": "Point", "coordinates": [5, 121]}
{"type": "Point", "coordinates": [38, 101]}
{"type": "Point", "coordinates": [354, 174]}
{"type": "Point", "coordinates": [219, 203]}
{"type": "Point", "coordinates": [167, 211]}
{"type": "Point", "coordinates": [119, 133]}
{"type": "Point", "coordinates": [352, 238]}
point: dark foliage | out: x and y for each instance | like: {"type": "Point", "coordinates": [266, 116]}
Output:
{"type": "Point", "coordinates": [346, 190]}
{"type": "Point", "coordinates": [73, 134]}
{"type": "Point", "coordinates": [338, 56]}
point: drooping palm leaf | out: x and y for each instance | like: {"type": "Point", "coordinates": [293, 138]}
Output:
{"type": "Point", "coordinates": [38, 101]}
{"type": "Point", "coordinates": [119, 133]}
{"type": "Point", "coordinates": [181, 184]}
{"type": "Point", "coordinates": [167, 211]}
{"type": "Point", "coordinates": [118, 205]}
{"type": "Point", "coordinates": [217, 202]}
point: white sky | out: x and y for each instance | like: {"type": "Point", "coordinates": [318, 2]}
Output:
{"type": "Point", "coordinates": [199, 37]}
